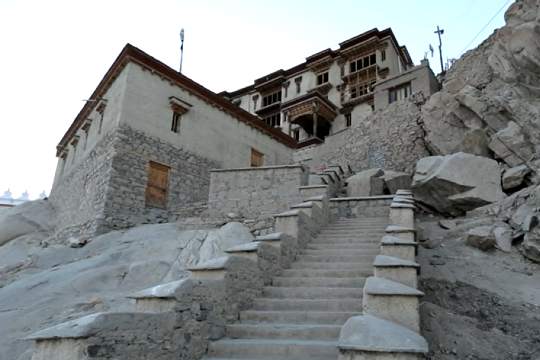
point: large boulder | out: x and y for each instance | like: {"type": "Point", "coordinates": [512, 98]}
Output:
{"type": "Point", "coordinates": [29, 217]}
{"type": "Point", "coordinates": [481, 237]}
{"type": "Point", "coordinates": [457, 183]}
{"type": "Point", "coordinates": [514, 177]}
{"type": "Point", "coordinates": [366, 183]}
{"type": "Point", "coordinates": [396, 180]}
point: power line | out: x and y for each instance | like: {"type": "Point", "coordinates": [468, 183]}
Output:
{"type": "Point", "coordinates": [486, 25]}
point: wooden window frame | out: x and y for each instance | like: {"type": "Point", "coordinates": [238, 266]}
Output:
{"type": "Point", "coordinates": [257, 158]}
{"type": "Point", "coordinates": [322, 78]}
{"type": "Point", "coordinates": [348, 119]}
{"type": "Point", "coordinates": [175, 123]}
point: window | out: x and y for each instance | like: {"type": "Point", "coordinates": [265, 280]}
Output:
{"type": "Point", "coordinates": [362, 63]}
{"type": "Point", "coordinates": [157, 186]}
{"type": "Point", "coordinates": [296, 134]}
{"type": "Point", "coordinates": [257, 158]}
{"type": "Point", "coordinates": [237, 102]}
{"type": "Point", "coordinates": [362, 89]}
{"type": "Point", "coordinates": [271, 98]}
{"type": "Point", "coordinates": [383, 55]}
{"type": "Point", "coordinates": [348, 120]}
{"type": "Point", "coordinates": [322, 78]}
{"type": "Point", "coordinates": [298, 82]}
{"type": "Point", "coordinates": [273, 120]}
{"type": "Point", "coordinates": [101, 110]}
{"type": "Point", "coordinates": [175, 124]}
{"type": "Point", "coordinates": [399, 92]}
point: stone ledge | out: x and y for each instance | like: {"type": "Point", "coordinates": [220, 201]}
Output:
{"type": "Point", "coordinates": [389, 240]}
{"type": "Point", "coordinates": [372, 334]}
{"type": "Point", "coordinates": [165, 291]}
{"type": "Point", "coordinates": [398, 229]}
{"type": "Point", "coordinates": [83, 327]}
{"type": "Point", "coordinates": [270, 237]}
{"type": "Point", "coordinates": [261, 168]}
{"type": "Point", "coordinates": [385, 287]}
{"type": "Point", "coordinates": [247, 247]}
{"type": "Point", "coordinates": [400, 205]}
{"type": "Point", "coordinates": [304, 205]}
{"type": "Point", "coordinates": [400, 199]}
{"type": "Point", "coordinates": [219, 263]}
{"type": "Point", "coordinates": [313, 187]}
{"type": "Point", "coordinates": [390, 261]}
{"type": "Point", "coordinates": [363, 198]}
{"type": "Point", "coordinates": [288, 213]}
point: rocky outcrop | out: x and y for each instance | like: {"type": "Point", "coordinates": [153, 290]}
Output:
{"type": "Point", "coordinates": [30, 217]}
{"type": "Point", "coordinates": [457, 183]}
{"type": "Point", "coordinates": [490, 100]}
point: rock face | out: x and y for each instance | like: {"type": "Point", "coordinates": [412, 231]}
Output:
{"type": "Point", "coordinates": [456, 183]}
{"type": "Point", "coordinates": [42, 287]}
{"type": "Point", "coordinates": [491, 96]}
{"type": "Point", "coordinates": [366, 183]}
{"type": "Point", "coordinates": [29, 217]}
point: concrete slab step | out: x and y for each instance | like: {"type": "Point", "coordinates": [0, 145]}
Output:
{"type": "Point", "coordinates": [296, 317]}
{"type": "Point", "coordinates": [351, 305]}
{"type": "Point", "coordinates": [336, 258]}
{"type": "Point", "coordinates": [312, 292]}
{"type": "Point", "coordinates": [374, 239]}
{"type": "Point", "coordinates": [274, 349]}
{"type": "Point", "coordinates": [317, 265]}
{"type": "Point", "coordinates": [343, 246]}
{"type": "Point", "coordinates": [374, 251]}
{"type": "Point", "coordinates": [329, 282]}
{"type": "Point", "coordinates": [283, 331]}
{"type": "Point", "coordinates": [335, 273]}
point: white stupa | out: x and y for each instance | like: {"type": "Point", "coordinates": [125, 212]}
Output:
{"type": "Point", "coordinates": [7, 200]}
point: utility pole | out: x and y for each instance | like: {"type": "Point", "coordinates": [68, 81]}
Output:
{"type": "Point", "coordinates": [440, 32]}
{"type": "Point", "coordinates": [181, 48]}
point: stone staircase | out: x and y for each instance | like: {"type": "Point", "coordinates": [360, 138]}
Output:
{"type": "Point", "coordinates": [301, 314]}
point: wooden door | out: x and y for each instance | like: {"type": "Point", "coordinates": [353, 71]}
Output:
{"type": "Point", "coordinates": [158, 185]}
{"type": "Point", "coordinates": [257, 158]}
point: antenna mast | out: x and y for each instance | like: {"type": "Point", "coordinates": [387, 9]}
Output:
{"type": "Point", "coordinates": [182, 48]}
{"type": "Point", "coordinates": [440, 32]}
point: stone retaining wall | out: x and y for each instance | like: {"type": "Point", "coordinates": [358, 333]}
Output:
{"type": "Point", "coordinates": [391, 139]}
{"type": "Point", "coordinates": [255, 192]}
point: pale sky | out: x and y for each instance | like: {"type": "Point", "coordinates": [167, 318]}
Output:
{"type": "Point", "coordinates": [54, 53]}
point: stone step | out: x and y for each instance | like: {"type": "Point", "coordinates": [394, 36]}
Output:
{"type": "Point", "coordinates": [352, 231]}
{"type": "Point", "coordinates": [283, 331]}
{"type": "Point", "coordinates": [331, 282]}
{"type": "Point", "coordinates": [356, 226]}
{"type": "Point", "coordinates": [331, 265]}
{"type": "Point", "coordinates": [334, 273]}
{"type": "Point", "coordinates": [336, 258]}
{"type": "Point", "coordinates": [308, 304]}
{"type": "Point", "coordinates": [297, 317]}
{"type": "Point", "coordinates": [372, 252]}
{"type": "Point", "coordinates": [278, 292]}
{"type": "Point", "coordinates": [348, 240]}
{"type": "Point", "coordinates": [343, 246]}
{"type": "Point", "coordinates": [273, 349]}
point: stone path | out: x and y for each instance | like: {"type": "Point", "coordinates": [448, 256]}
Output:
{"type": "Point", "coordinates": [300, 316]}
